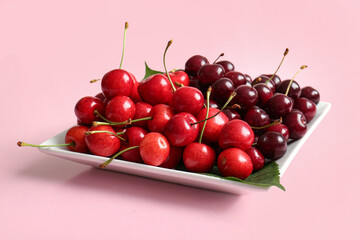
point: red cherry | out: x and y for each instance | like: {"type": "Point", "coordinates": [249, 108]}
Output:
{"type": "Point", "coordinates": [156, 89]}
{"type": "Point", "coordinates": [236, 133]}
{"type": "Point", "coordinates": [119, 109]}
{"type": "Point", "coordinates": [264, 94]}
{"type": "Point", "coordinates": [117, 82]}
{"type": "Point", "coordinates": [265, 80]}
{"type": "Point", "coordinates": [134, 92]}
{"type": "Point", "coordinates": [179, 77]}
{"type": "Point", "coordinates": [295, 121]}
{"type": "Point", "coordinates": [213, 125]}
{"type": "Point", "coordinates": [142, 110]}
{"type": "Point", "coordinates": [102, 144]}
{"type": "Point", "coordinates": [232, 114]}
{"type": "Point", "coordinates": [278, 106]}
{"type": "Point", "coordinates": [154, 149]}
{"type": "Point", "coordinates": [160, 114]}
{"type": "Point", "coordinates": [257, 158]}
{"type": "Point", "coordinates": [85, 107]}
{"type": "Point", "coordinates": [234, 162]}
{"type": "Point", "coordinates": [237, 78]}
{"type": "Point", "coordinates": [228, 66]}
{"type": "Point", "coordinates": [246, 97]}
{"type": "Point", "coordinates": [272, 144]}
{"type": "Point", "coordinates": [311, 94]}
{"type": "Point", "coordinates": [188, 99]}
{"type": "Point", "coordinates": [307, 107]}
{"type": "Point", "coordinates": [133, 137]}
{"type": "Point", "coordinates": [100, 96]}
{"type": "Point", "coordinates": [199, 157]}
{"type": "Point", "coordinates": [194, 63]}
{"type": "Point", "coordinates": [174, 158]}
{"type": "Point", "coordinates": [76, 134]}
{"type": "Point", "coordinates": [295, 90]}
{"type": "Point", "coordinates": [181, 130]}
{"type": "Point", "coordinates": [210, 73]}
{"type": "Point", "coordinates": [276, 79]}
{"type": "Point", "coordinates": [280, 128]}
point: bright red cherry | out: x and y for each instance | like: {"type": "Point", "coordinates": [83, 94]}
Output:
{"type": "Point", "coordinates": [142, 110]}
{"type": "Point", "coordinates": [156, 89]}
{"type": "Point", "coordinates": [154, 149]}
{"type": "Point", "coordinates": [179, 77]}
{"type": "Point", "coordinates": [228, 66]}
{"type": "Point", "coordinates": [188, 99]}
{"type": "Point", "coordinates": [181, 130]}
{"type": "Point", "coordinates": [272, 144]}
{"type": "Point", "coordinates": [134, 92]}
{"type": "Point", "coordinates": [76, 134]}
{"type": "Point", "coordinates": [85, 107]}
{"type": "Point", "coordinates": [213, 125]}
{"type": "Point", "coordinates": [160, 114]}
{"type": "Point", "coordinates": [102, 144]}
{"type": "Point", "coordinates": [311, 94]}
{"type": "Point", "coordinates": [133, 137]}
{"type": "Point", "coordinates": [119, 109]}
{"type": "Point", "coordinates": [257, 158]}
{"type": "Point", "coordinates": [236, 133]}
{"type": "Point", "coordinates": [194, 63]}
{"type": "Point", "coordinates": [307, 107]}
{"type": "Point", "coordinates": [117, 82]}
{"type": "Point", "coordinates": [234, 162]}
{"type": "Point", "coordinates": [295, 121]}
{"type": "Point", "coordinates": [210, 73]}
{"type": "Point", "coordinates": [199, 157]}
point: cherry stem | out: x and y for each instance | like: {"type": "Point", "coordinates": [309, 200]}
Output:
{"type": "Point", "coordinates": [94, 80]}
{"type": "Point", "coordinates": [22, 144]}
{"type": "Point", "coordinates": [277, 121]}
{"type": "Point", "coordinates": [179, 84]}
{"type": "Point", "coordinates": [167, 74]}
{"type": "Point", "coordinates": [101, 131]}
{"type": "Point", "coordinates": [127, 122]}
{"type": "Point", "coordinates": [116, 155]}
{"type": "Point", "coordinates": [256, 81]}
{"type": "Point", "coordinates": [291, 81]}
{"type": "Point", "coordinates": [233, 94]}
{"type": "Point", "coordinates": [234, 106]}
{"type": "Point", "coordinates": [221, 55]}
{"type": "Point", "coordinates": [285, 53]}
{"type": "Point", "coordinates": [207, 112]}
{"type": "Point", "coordinates": [123, 50]}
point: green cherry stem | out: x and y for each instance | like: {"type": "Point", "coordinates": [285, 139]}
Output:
{"type": "Point", "coordinates": [285, 53]}
{"type": "Point", "coordinates": [277, 121]}
{"type": "Point", "coordinates": [221, 55]}
{"type": "Point", "coordinates": [233, 94]}
{"type": "Point", "coordinates": [123, 50]}
{"type": "Point", "coordinates": [207, 112]}
{"type": "Point", "coordinates": [87, 133]}
{"type": "Point", "coordinates": [103, 165]}
{"type": "Point", "coordinates": [22, 144]}
{"type": "Point", "coordinates": [288, 88]}
{"type": "Point", "coordinates": [127, 122]}
{"type": "Point", "coordinates": [167, 73]}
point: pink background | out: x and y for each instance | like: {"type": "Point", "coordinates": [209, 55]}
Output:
{"type": "Point", "coordinates": [50, 50]}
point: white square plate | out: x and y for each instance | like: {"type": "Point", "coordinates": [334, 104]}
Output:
{"type": "Point", "coordinates": [182, 177]}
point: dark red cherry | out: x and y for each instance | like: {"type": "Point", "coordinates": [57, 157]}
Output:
{"type": "Point", "coordinates": [119, 109]}
{"type": "Point", "coordinates": [248, 78]}
{"type": "Point", "coordinates": [257, 117]}
{"type": "Point", "coordinates": [181, 130]}
{"type": "Point", "coordinates": [276, 79]}
{"type": "Point", "coordinates": [213, 125]}
{"type": "Point", "coordinates": [280, 128]}
{"type": "Point", "coordinates": [142, 110]}
{"type": "Point", "coordinates": [210, 73]}
{"type": "Point", "coordinates": [237, 78]}
{"type": "Point", "coordinates": [257, 158]}
{"type": "Point", "coordinates": [133, 137]}
{"type": "Point", "coordinates": [234, 162]}
{"type": "Point", "coordinates": [307, 107]}
{"type": "Point", "coordinates": [160, 114]}
{"type": "Point", "coordinates": [228, 66]}
{"type": "Point", "coordinates": [221, 90]}
{"type": "Point", "coordinates": [232, 114]}
{"type": "Point", "coordinates": [236, 133]}
{"type": "Point", "coordinates": [194, 63]}
{"type": "Point", "coordinates": [100, 96]}
{"type": "Point", "coordinates": [174, 158]}
{"type": "Point", "coordinates": [212, 104]}
{"type": "Point", "coordinates": [246, 97]}
{"type": "Point", "coordinates": [311, 94]}
{"type": "Point", "coordinates": [199, 157]}
{"type": "Point", "coordinates": [262, 79]}
{"type": "Point", "coordinates": [102, 144]}
{"type": "Point", "coordinates": [295, 121]}
{"type": "Point", "coordinates": [156, 89]}
{"type": "Point", "coordinates": [295, 90]}
{"type": "Point", "coordinates": [85, 107]}
{"type": "Point", "coordinates": [272, 144]}
{"type": "Point", "coordinates": [194, 82]}
{"type": "Point", "coordinates": [264, 93]}
{"type": "Point", "coordinates": [154, 149]}
{"type": "Point", "coordinates": [117, 82]}
{"type": "Point", "coordinates": [188, 99]}
{"type": "Point", "coordinates": [278, 106]}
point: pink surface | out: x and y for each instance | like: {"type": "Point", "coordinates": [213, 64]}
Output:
{"type": "Point", "coordinates": [48, 53]}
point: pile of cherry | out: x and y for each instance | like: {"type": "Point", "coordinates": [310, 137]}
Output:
{"type": "Point", "coordinates": [203, 116]}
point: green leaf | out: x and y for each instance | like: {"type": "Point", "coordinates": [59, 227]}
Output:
{"type": "Point", "coordinates": [268, 176]}
{"type": "Point", "coordinates": [149, 72]}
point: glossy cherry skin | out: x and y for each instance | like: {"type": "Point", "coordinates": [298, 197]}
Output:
{"type": "Point", "coordinates": [213, 125]}
{"type": "Point", "coordinates": [257, 158]}
{"type": "Point", "coordinates": [194, 63]}
{"type": "Point", "coordinates": [156, 89]}
{"type": "Point", "coordinates": [257, 117]}
{"type": "Point", "coordinates": [142, 110]}
{"type": "Point", "coordinates": [134, 95]}
{"type": "Point", "coordinates": [188, 99]}
{"type": "Point", "coordinates": [246, 97]}
{"type": "Point", "coordinates": [85, 107]}
{"type": "Point", "coordinates": [133, 137]}
{"type": "Point", "coordinates": [276, 79]}
{"type": "Point", "coordinates": [179, 130]}
{"type": "Point", "coordinates": [236, 133]}
{"type": "Point", "coordinates": [265, 80]}
{"type": "Point", "coordinates": [228, 66]}
{"type": "Point", "coordinates": [100, 96]}
{"type": "Point", "coordinates": [272, 144]}
{"type": "Point", "coordinates": [264, 94]}
{"type": "Point", "coordinates": [221, 90]}
{"type": "Point", "coordinates": [232, 114]}
{"type": "Point", "coordinates": [295, 90]}
{"type": "Point", "coordinates": [117, 82]}
{"type": "Point", "coordinates": [76, 134]}
{"type": "Point", "coordinates": [237, 78]}
{"type": "Point", "coordinates": [295, 121]}
{"type": "Point", "coordinates": [248, 78]}
{"type": "Point", "coordinates": [311, 94]}
{"type": "Point", "coordinates": [210, 73]}
{"type": "Point", "coordinates": [278, 106]}
{"type": "Point", "coordinates": [174, 158]}
{"type": "Point", "coordinates": [234, 162]}
{"type": "Point", "coordinates": [212, 104]}
{"type": "Point", "coordinates": [161, 114]}
{"type": "Point", "coordinates": [154, 149]}
{"type": "Point", "coordinates": [307, 107]}
{"type": "Point", "coordinates": [280, 128]}
{"type": "Point", "coordinates": [119, 109]}
{"type": "Point", "coordinates": [199, 157]}
{"type": "Point", "coordinates": [102, 144]}
{"type": "Point", "coordinates": [179, 77]}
